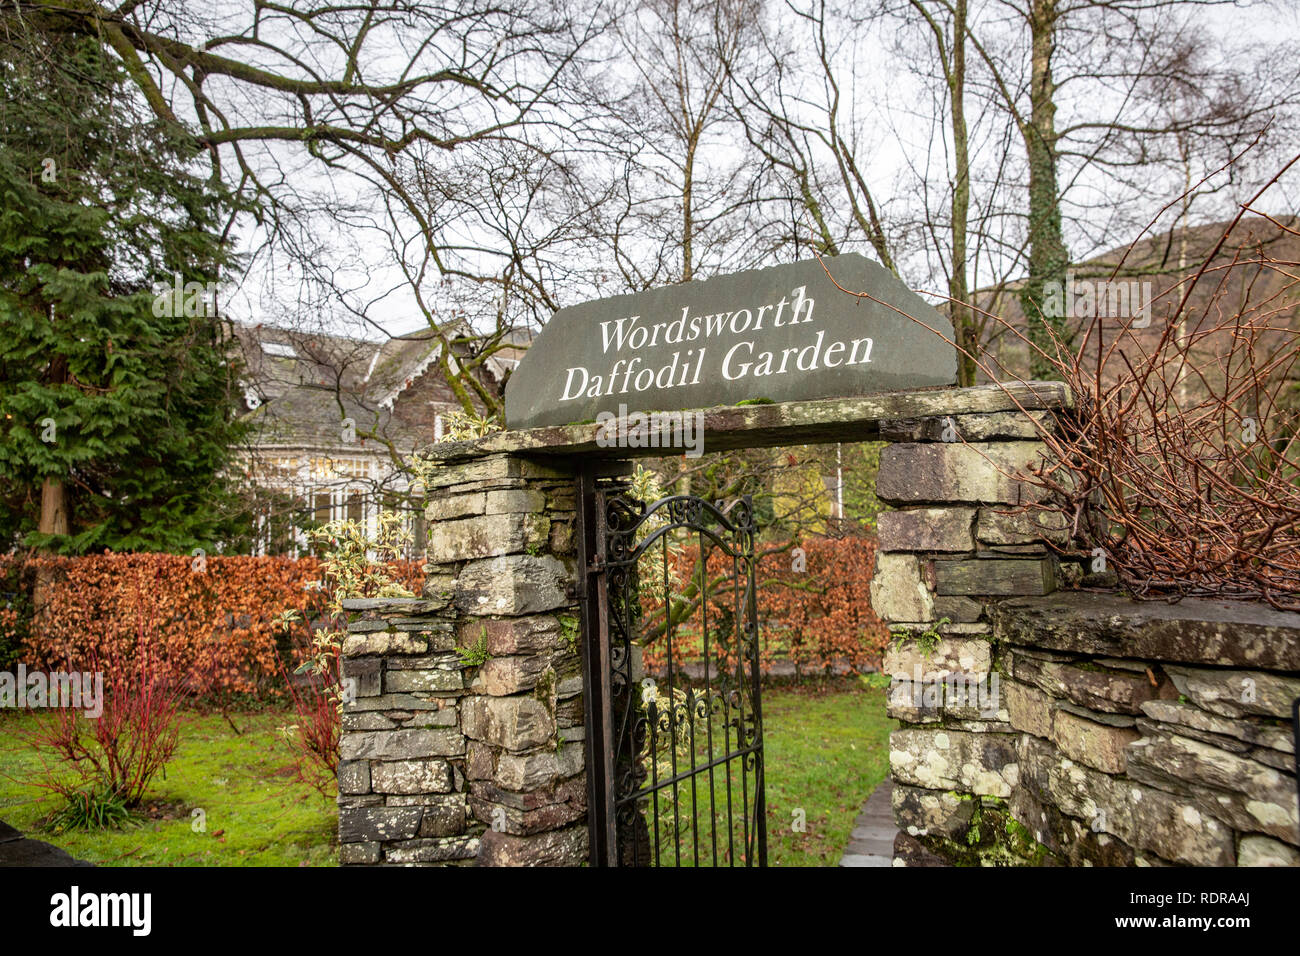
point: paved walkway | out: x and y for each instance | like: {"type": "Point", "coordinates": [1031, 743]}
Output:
{"type": "Point", "coordinates": [18, 850]}
{"type": "Point", "coordinates": [872, 840]}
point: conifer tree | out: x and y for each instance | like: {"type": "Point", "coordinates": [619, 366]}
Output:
{"type": "Point", "coordinates": [116, 418]}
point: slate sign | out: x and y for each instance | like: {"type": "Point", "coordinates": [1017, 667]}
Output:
{"type": "Point", "coordinates": [781, 334]}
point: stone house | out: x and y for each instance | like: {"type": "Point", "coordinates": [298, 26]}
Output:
{"type": "Point", "coordinates": [332, 418]}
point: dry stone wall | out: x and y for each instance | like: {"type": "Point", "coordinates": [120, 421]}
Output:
{"type": "Point", "coordinates": [1150, 734]}
{"type": "Point", "coordinates": [1040, 726]}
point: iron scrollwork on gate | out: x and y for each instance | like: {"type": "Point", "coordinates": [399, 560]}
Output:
{"type": "Point", "coordinates": [675, 724]}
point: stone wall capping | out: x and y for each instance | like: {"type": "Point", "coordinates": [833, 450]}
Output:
{"type": "Point", "coordinates": [972, 427]}
{"type": "Point", "coordinates": [752, 426]}
{"type": "Point", "coordinates": [1194, 631]}
{"type": "Point", "coordinates": [392, 605]}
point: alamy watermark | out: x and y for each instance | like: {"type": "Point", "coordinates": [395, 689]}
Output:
{"type": "Point", "coordinates": [74, 909]}
{"type": "Point", "coordinates": [1098, 298]}
{"type": "Point", "coordinates": [684, 430]}
{"type": "Point", "coordinates": [931, 690]}
{"type": "Point", "coordinates": [37, 689]}
{"type": "Point", "coordinates": [188, 299]}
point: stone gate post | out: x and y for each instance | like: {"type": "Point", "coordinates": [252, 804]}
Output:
{"type": "Point", "coordinates": [964, 534]}
{"type": "Point", "coordinates": [464, 742]}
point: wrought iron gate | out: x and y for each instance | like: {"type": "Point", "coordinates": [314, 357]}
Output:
{"type": "Point", "coordinates": [674, 719]}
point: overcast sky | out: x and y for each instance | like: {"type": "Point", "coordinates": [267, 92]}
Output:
{"type": "Point", "coordinates": [887, 99]}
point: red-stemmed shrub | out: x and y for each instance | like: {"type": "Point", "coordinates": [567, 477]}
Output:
{"type": "Point", "coordinates": [315, 695]}
{"type": "Point", "coordinates": [106, 763]}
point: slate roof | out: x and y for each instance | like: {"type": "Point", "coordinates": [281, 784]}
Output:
{"type": "Point", "coordinates": [300, 386]}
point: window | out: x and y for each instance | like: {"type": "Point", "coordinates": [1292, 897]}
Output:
{"type": "Point", "coordinates": [324, 505]}
{"type": "Point", "coordinates": [340, 467]}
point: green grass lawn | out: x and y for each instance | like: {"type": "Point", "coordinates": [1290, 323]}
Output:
{"type": "Point", "coordinates": [826, 751]}
{"type": "Point", "coordinates": [257, 813]}
{"type": "Point", "coordinates": [827, 748]}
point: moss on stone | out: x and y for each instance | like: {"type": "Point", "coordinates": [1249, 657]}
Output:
{"type": "Point", "coordinates": [994, 838]}
{"type": "Point", "coordinates": [569, 630]}
{"type": "Point", "coordinates": [544, 692]}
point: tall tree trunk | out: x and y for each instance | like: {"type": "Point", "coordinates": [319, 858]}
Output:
{"type": "Point", "coordinates": [958, 290]}
{"type": "Point", "coordinates": [952, 57]}
{"type": "Point", "coordinates": [54, 510]}
{"type": "Point", "coordinates": [688, 200]}
{"type": "Point", "coordinates": [1184, 220]}
{"type": "Point", "coordinates": [1048, 258]}
{"type": "Point", "coordinates": [54, 494]}
{"type": "Point", "coordinates": [54, 507]}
